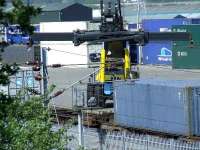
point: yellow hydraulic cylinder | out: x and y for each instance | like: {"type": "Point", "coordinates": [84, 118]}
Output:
{"type": "Point", "coordinates": [101, 75]}
{"type": "Point", "coordinates": [127, 64]}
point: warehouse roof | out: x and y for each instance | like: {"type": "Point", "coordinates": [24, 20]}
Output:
{"type": "Point", "coordinates": [55, 12]}
{"type": "Point", "coordinates": [76, 12]}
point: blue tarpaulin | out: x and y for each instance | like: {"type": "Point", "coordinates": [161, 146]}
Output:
{"type": "Point", "coordinates": [15, 36]}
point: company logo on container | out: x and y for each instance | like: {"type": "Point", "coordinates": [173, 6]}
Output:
{"type": "Point", "coordinates": [165, 55]}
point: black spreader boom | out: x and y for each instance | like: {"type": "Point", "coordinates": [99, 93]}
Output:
{"type": "Point", "coordinates": [139, 37]}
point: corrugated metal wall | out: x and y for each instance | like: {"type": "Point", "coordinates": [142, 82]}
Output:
{"type": "Point", "coordinates": [168, 106]}
{"type": "Point", "coordinates": [186, 54]}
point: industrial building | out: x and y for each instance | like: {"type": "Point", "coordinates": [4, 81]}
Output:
{"type": "Point", "coordinates": [128, 70]}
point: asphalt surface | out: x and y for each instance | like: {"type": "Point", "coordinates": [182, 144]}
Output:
{"type": "Point", "coordinates": [166, 72]}
{"type": "Point", "coordinates": [64, 77]}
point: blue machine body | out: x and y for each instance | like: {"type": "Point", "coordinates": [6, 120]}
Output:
{"type": "Point", "coordinates": [108, 88]}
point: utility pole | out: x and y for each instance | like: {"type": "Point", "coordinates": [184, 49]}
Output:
{"type": "Point", "coordinates": [138, 28]}
{"type": "Point", "coordinates": [43, 71]}
{"type": "Point", "coordinates": [138, 14]}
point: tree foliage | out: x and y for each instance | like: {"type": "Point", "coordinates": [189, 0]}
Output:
{"type": "Point", "coordinates": [24, 125]}
{"type": "Point", "coordinates": [27, 125]}
{"type": "Point", "coordinates": [21, 14]}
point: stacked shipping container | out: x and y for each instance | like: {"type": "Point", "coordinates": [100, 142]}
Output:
{"type": "Point", "coordinates": [155, 52]}
{"type": "Point", "coordinates": [186, 54]}
{"type": "Point", "coordinates": [169, 106]}
{"type": "Point", "coordinates": [160, 52]}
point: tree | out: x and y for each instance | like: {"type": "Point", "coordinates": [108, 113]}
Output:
{"type": "Point", "coordinates": [24, 125]}
{"type": "Point", "coordinates": [20, 14]}
{"type": "Point", "coordinates": [27, 125]}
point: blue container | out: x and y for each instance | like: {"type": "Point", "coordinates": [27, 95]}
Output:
{"type": "Point", "coordinates": [168, 106]}
{"type": "Point", "coordinates": [160, 52]}
{"type": "Point", "coordinates": [159, 25]}
{"type": "Point", "coordinates": [195, 21]}
{"type": "Point", "coordinates": [157, 53]}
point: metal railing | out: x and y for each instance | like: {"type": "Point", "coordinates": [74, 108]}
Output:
{"type": "Point", "coordinates": [99, 140]}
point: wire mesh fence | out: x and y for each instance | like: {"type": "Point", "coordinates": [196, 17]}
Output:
{"type": "Point", "coordinates": [100, 140]}
{"type": "Point", "coordinates": [146, 142]}
{"type": "Point", "coordinates": [25, 78]}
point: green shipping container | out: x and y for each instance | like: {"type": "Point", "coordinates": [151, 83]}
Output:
{"type": "Point", "coordinates": [186, 58]}
{"type": "Point", "coordinates": [193, 29]}
{"type": "Point", "coordinates": [185, 55]}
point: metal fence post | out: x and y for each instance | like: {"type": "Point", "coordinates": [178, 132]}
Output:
{"type": "Point", "coordinates": [147, 142]}
{"type": "Point", "coordinates": [172, 144]}
{"type": "Point", "coordinates": [124, 142]}
{"type": "Point", "coordinates": [72, 96]}
{"type": "Point", "coordinates": [100, 139]}
{"type": "Point", "coordinates": [80, 129]}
